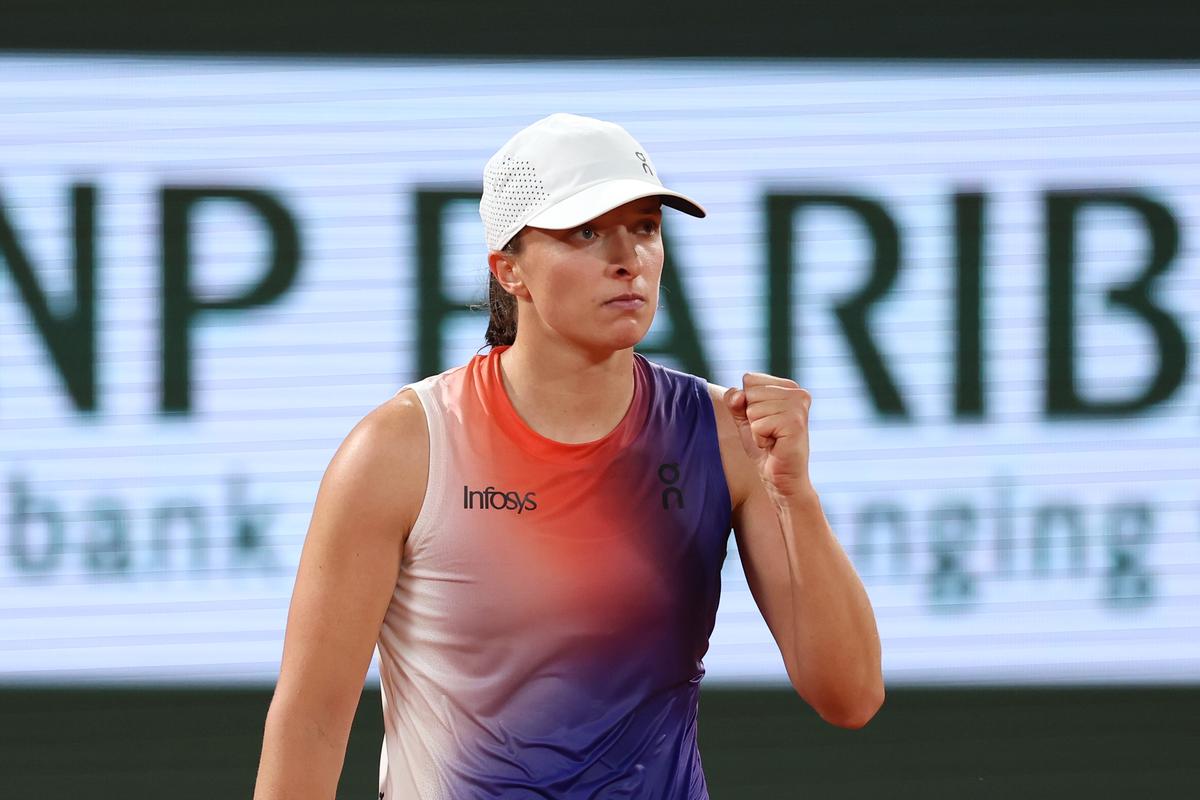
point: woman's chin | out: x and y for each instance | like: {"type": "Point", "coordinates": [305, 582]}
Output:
{"type": "Point", "coordinates": [615, 342]}
{"type": "Point", "coordinates": [623, 335]}
{"type": "Point", "coordinates": [625, 339]}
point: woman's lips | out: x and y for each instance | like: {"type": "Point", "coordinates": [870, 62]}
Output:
{"type": "Point", "coordinates": [627, 302]}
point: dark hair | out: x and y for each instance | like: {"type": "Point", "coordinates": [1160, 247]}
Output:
{"type": "Point", "coordinates": [502, 306]}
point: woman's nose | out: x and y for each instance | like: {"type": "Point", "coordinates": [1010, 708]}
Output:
{"type": "Point", "coordinates": [622, 251]}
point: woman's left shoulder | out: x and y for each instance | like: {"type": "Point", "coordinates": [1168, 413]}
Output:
{"type": "Point", "coordinates": [738, 469]}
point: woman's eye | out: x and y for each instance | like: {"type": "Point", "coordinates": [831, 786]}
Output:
{"type": "Point", "coordinates": [587, 233]}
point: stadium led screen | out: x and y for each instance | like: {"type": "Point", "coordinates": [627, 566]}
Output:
{"type": "Point", "coordinates": [986, 274]}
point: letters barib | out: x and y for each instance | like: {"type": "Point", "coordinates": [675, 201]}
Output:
{"type": "Point", "coordinates": [1062, 212]}
{"type": "Point", "coordinates": [495, 499]}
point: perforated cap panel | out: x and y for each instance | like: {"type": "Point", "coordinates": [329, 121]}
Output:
{"type": "Point", "coordinates": [512, 190]}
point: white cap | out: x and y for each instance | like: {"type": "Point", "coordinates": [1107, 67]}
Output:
{"type": "Point", "coordinates": [564, 170]}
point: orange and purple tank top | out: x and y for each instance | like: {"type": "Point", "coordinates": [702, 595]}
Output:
{"type": "Point", "coordinates": [547, 631]}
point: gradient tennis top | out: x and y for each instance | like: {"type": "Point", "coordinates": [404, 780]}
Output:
{"type": "Point", "coordinates": [554, 604]}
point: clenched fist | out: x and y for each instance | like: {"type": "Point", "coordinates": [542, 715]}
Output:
{"type": "Point", "coordinates": [772, 417]}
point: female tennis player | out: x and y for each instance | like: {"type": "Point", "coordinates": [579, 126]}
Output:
{"type": "Point", "coordinates": [534, 540]}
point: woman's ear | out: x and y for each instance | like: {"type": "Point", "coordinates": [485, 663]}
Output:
{"type": "Point", "coordinates": [507, 273]}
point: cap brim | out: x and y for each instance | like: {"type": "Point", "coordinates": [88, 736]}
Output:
{"type": "Point", "coordinates": [595, 200]}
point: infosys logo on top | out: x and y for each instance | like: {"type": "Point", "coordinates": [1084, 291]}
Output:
{"type": "Point", "coordinates": [498, 500]}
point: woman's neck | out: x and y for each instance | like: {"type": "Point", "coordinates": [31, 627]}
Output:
{"type": "Point", "coordinates": [566, 395]}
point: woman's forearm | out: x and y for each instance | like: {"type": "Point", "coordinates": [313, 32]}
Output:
{"type": "Point", "coordinates": [302, 754]}
{"type": "Point", "coordinates": [837, 651]}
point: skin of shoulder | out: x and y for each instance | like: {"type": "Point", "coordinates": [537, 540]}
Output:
{"type": "Point", "coordinates": [740, 474]}
{"type": "Point", "coordinates": [369, 498]}
{"type": "Point", "coordinates": [384, 461]}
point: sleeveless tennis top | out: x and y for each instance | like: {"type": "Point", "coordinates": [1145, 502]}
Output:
{"type": "Point", "coordinates": [546, 634]}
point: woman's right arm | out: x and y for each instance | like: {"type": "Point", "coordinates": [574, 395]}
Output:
{"type": "Point", "coordinates": [368, 501]}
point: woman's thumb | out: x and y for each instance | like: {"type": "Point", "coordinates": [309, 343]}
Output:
{"type": "Point", "coordinates": [736, 400]}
